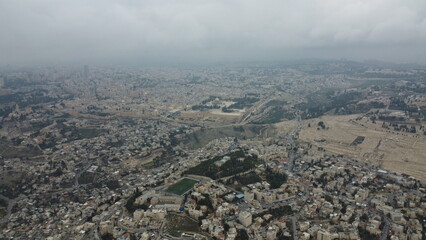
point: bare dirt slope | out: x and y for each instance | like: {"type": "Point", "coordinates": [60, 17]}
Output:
{"type": "Point", "coordinates": [396, 151]}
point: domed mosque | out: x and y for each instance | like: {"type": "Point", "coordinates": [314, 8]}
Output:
{"type": "Point", "coordinates": [216, 102]}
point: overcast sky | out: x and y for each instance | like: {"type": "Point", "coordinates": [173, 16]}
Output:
{"type": "Point", "coordinates": [90, 31]}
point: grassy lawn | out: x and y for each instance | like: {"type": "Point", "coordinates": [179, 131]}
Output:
{"type": "Point", "coordinates": [182, 186]}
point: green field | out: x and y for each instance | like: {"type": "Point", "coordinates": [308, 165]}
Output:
{"type": "Point", "coordinates": [182, 186]}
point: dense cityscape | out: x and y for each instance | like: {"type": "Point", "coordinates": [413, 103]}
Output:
{"type": "Point", "coordinates": [315, 149]}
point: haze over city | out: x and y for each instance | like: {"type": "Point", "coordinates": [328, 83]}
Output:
{"type": "Point", "coordinates": [131, 32]}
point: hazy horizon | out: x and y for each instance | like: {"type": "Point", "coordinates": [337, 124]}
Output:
{"type": "Point", "coordinates": [129, 32]}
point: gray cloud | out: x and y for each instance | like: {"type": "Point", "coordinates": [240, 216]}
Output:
{"type": "Point", "coordinates": [49, 31]}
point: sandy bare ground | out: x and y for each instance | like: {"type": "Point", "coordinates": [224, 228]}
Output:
{"type": "Point", "coordinates": [391, 150]}
{"type": "Point", "coordinates": [285, 127]}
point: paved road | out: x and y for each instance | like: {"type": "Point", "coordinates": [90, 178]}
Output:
{"type": "Point", "coordinates": [388, 221]}
{"type": "Point", "coordinates": [291, 138]}
{"type": "Point", "coordinates": [293, 225]}
{"type": "Point", "coordinates": [385, 230]}
{"type": "Point", "coordinates": [390, 197]}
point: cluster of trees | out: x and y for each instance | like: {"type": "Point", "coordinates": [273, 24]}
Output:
{"type": "Point", "coordinates": [206, 168]}
{"type": "Point", "coordinates": [278, 212]}
{"type": "Point", "coordinates": [364, 234]}
{"type": "Point", "coordinates": [242, 235]}
{"type": "Point", "coordinates": [206, 201]}
{"type": "Point", "coordinates": [76, 133]}
{"type": "Point", "coordinates": [3, 203]}
{"type": "Point", "coordinates": [227, 110]}
{"type": "Point", "coordinates": [400, 127]}
{"type": "Point", "coordinates": [91, 109]}
{"type": "Point", "coordinates": [323, 179]}
{"type": "Point", "coordinates": [365, 107]}
{"type": "Point", "coordinates": [204, 107]}
{"type": "Point", "coordinates": [241, 103]}
{"type": "Point", "coordinates": [40, 124]}
{"type": "Point", "coordinates": [130, 204]}
{"type": "Point", "coordinates": [397, 104]}
{"type": "Point", "coordinates": [229, 168]}
{"type": "Point", "coordinates": [281, 211]}
{"type": "Point", "coordinates": [245, 179]}
{"type": "Point", "coordinates": [5, 111]}
{"type": "Point", "coordinates": [324, 101]}
{"type": "Point", "coordinates": [275, 179]}
{"type": "Point", "coordinates": [276, 114]}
